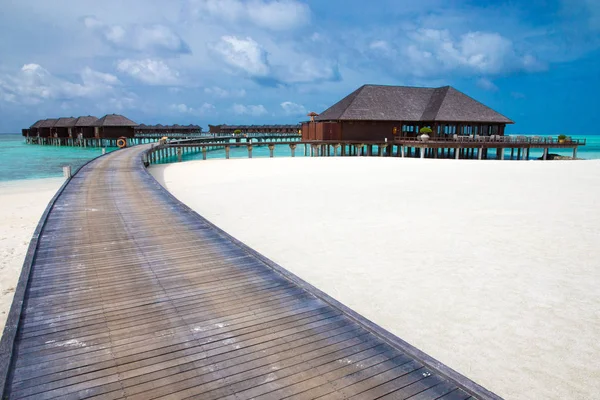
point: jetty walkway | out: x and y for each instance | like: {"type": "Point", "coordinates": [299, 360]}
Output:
{"type": "Point", "coordinates": [132, 295]}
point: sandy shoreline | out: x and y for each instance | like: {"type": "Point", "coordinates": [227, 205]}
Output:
{"type": "Point", "coordinates": [491, 267]}
{"type": "Point", "coordinates": [23, 203]}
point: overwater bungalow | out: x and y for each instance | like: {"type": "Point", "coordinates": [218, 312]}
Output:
{"type": "Point", "coordinates": [230, 129]}
{"type": "Point", "coordinates": [84, 127]}
{"type": "Point", "coordinates": [63, 127]}
{"type": "Point", "coordinates": [33, 129]}
{"type": "Point", "coordinates": [113, 126]}
{"type": "Point", "coordinates": [378, 113]}
{"type": "Point", "coordinates": [157, 129]}
{"type": "Point", "coordinates": [45, 127]}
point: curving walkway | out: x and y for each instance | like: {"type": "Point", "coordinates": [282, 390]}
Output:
{"type": "Point", "coordinates": [132, 295]}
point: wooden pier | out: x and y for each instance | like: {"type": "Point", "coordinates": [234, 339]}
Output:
{"type": "Point", "coordinates": [127, 293]}
{"type": "Point", "coordinates": [519, 148]}
{"type": "Point", "coordinates": [145, 138]}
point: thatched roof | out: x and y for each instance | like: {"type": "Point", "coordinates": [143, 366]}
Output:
{"type": "Point", "coordinates": [67, 122]}
{"type": "Point", "coordinates": [114, 120]}
{"type": "Point", "coordinates": [37, 124]}
{"type": "Point", "coordinates": [403, 103]}
{"type": "Point", "coordinates": [88, 120]}
{"type": "Point", "coordinates": [48, 123]}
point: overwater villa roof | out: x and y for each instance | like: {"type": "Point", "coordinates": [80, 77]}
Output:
{"type": "Point", "coordinates": [37, 124]}
{"type": "Point", "coordinates": [67, 122]}
{"type": "Point", "coordinates": [114, 120]}
{"type": "Point", "coordinates": [88, 120]}
{"type": "Point", "coordinates": [404, 103]}
{"type": "Point", "coordinates": [48, 123]}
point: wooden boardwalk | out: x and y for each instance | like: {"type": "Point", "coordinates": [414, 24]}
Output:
{"type": "Point", "coordinates": [132, 295]}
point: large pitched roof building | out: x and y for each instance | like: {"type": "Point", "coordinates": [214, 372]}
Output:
{"type": "Point", "coordinates": [375, 112]}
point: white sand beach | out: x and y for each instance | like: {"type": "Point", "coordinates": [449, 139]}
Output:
{"type": "Point", "coordinates": [492, 267]}
{"type": "Point", "coordinates": [23, 203]}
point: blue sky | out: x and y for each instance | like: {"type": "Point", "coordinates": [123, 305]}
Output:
{"type": "Point", "coordinates": [267, 61]}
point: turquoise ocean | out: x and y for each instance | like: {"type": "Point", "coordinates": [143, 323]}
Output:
{"type": "Point", "coordinates": [22, 161]}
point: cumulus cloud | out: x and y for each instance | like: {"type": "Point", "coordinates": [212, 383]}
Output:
{"type": "Point", "coordinates": [486, 84]}
{"type": "Point", "coordinates": [271, 14]}
{"type": "Point", "coordinates": [33, 84]}
{"type": "Point", "coordinates": [309, 70]}
{"type": "Point", "coordinates": [250, 58]}
{"type": "Point", "coordinates": [291, 108]}
{"type": "Point", "coordinates": [223, 93]}
{"type": "Point", "coordinates": [152, 72]}
{"type": "Point", "coordinates": [154, 38]}
{"type": "Point", "coordinates": [204, 109]}
{"type": "Point", "coordinates": [432, 51]}
{"type": "Point", "coordinates": [244, 54]}
{"type": "Point", "coordinates": [254, 110]}
{"type": "Point", "coordinates": [382, 47]}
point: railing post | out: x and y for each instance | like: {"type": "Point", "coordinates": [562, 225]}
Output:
{"type": "Point", "coordinates": [382, 149]}
{"type": "Point", "coordinates": [359, 149]}
{"type": "Point", "coordinates": [271, 150]}
{"type": "Point", "coordinates": [335, 149]}
{"type": "Point", "coordinates": [204, 152]}
{"type": "Point", "coordinates": [249, 151]}
{"type": "Point", "coordinates": [179, 154]}
{"type": "Point", "coordinates": [227, 152]}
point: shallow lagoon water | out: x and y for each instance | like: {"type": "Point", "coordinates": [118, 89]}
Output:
{"type": "Point", "coordinates": [22, 161]}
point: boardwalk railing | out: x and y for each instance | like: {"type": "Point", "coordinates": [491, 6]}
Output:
{"type": "Point", "coordinates": [496, 139]}
{"type": "Point", "coordinates": [405, 147]}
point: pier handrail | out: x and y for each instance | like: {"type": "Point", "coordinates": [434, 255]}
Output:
{"type": "Point", "coordinates": [497, 139]}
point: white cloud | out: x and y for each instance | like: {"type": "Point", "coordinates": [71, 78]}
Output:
{"type": "Point", "coordinates": [382, 47]}
{"type": "Point", "coordinates": [486, 84]}
{"type": "Point", "coordinates": [91, 77]}
{"type": "Point", "coordinates": [274, 14]}
{"type": "Point", "coordinates": [433, 51]}
{"type": "Point", "coordinates": [33, 84]}
{"type": "Point", "coordinates": [154, 38]}
{"type": "Point", "coordinates": [223, 93]}
{"type": "Point", "coordinates": [204, 109]}
{"type": "Point", "coordinates": [254, 110]}
{"type": "Point", "coordinates": [152, 72]}
{"type": "Point", "coordinates": [249, 57]}
{"type": "Point", "coordinates": [244, 54]}
{"type": "Point", "coordinates": [308, 70]}
{"type": "Point", "coordinates": [293, 108]}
